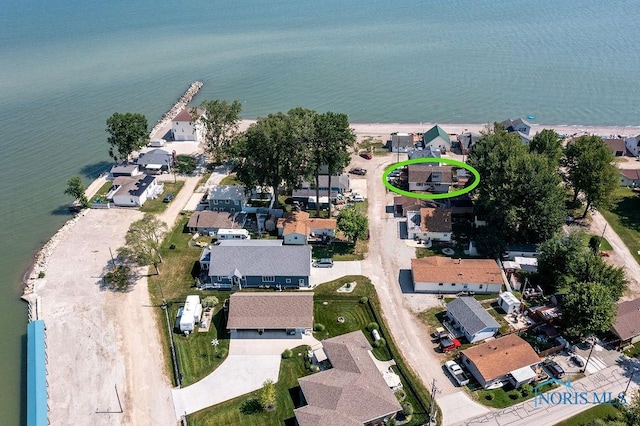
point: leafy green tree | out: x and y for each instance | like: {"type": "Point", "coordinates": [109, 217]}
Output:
{"type": "Point", "coordinates": [520, 195]}
{"type": "Point", "coordinates": [591, 308]}
{"type": "Point", "coordinates": [595, 269]}
{"type": "Point", "coordinates": [143, 242]}
{"type": "Point", "coordinates": [210, 302]}
{"type": "Point", "coordinates": [560, 259]}
{"type": "Point", "coordinates": [127, 133]}
{"type": "Point", "coordinates": [268, 395]}
{"type": "Point", "coordinates": [272, 154]}
{"type": "Point", "coordinates": [353, 224]}
{"type": "Point", "coordinates": [186, 164]}
{"type": "Point", "coordinates": [590, 171]}
{"type": "Point", "coordinates": [76, 189]}
{"type": "Point", "coordinates": [631, 410]}
{"type": "Point", "coordinates": [220, 121]}
{"type": "Point", "coordinates": [547, 143]}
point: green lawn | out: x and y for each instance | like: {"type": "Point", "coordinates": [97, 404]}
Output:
{"type": "Point", "coordinates": [424, 252]}
{"type": "Point", "coordinates": [496, 313]}
{"type": "Point", "coordinates": [607, 412]}
{"type": "Point", "coordinates": [245, 410]}
{"type": "Point", "coordinates": [505, 396]}
{"type": "Point", "coordinates": [157, 206]}
{"type": "Point", "coordinates": [341, 250]}
{"type": "Point", "coordinates": [104, 190]}
{"type": "Point", "coordinates": [378, 146]}
{"type": "Point", "coordinates": [604, 244]}
{"type": "Point", "coordinates": [633, 351]}
{"type": "Point", "coordinates": [624, 218]}
{"type": "Point", "coordinates": [231, 179]}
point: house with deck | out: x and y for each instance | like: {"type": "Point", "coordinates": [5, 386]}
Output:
{"type": "Point", "coordinates": [442, 275]}
{"type": "Point", "coordinates": [467, 316]}
{"type": "Point", "coordinates": [425, 178]}
{"type": "Point", "coordinates": [507, 359]}
{"type": "Point", "coordinates": [352, 392]}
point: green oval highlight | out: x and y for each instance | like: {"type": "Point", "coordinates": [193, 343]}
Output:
{"type": "Point", "coordinates": [431, 196]}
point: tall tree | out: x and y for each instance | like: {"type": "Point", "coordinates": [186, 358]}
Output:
{"type": "Point", "coordinates": [272, 154]}
{"type": "Point", "coordinates": [268, 395]}
{"type": "Point", "coordinates": [548, 143]}
{"type": "Point", "coordinates": [76, 189]}
{"type": "Point", "coordinates": [353, 224]}
{"type": "Point", "coordinates": [590, 171]}
{"type": "Point", "coordinates": [588, 309]}
{"type": "Point", "coordinates": [127, 133]}
{"type": "Point", "coordinates": [220, 121]}
{"type": "Point", "coordinates": [143, 241]}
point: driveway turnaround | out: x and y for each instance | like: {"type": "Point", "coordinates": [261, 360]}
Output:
{"type": "Point", "coordinates": [339, 270]}
{"type": "Point", "coordinates": [252, 359]}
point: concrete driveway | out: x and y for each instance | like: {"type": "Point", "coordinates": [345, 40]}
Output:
{"type": "Point", "coordinates": [252, 360]}
{"type": "Point", "coordinates": [339, 269]}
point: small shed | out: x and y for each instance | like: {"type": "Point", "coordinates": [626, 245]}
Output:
{"type": "Point", "coordinates": [508, 302]}
{"type": "Point", "coordinates": [191, 313]}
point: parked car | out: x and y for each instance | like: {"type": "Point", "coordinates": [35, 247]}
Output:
{"type": "Point", "coordinates": [358, 171]}
{"type": "Point", "coordinates": [167, 198]}
{"type": "Point", "coordinates": [456, 371]}
{"type": "Point", "coordinates": [366, 155]}
{"type": "Point", "coordinates": [395, 173]}
{"type": "Point", "coordinates": [447, 344]}
{"type": "Point", "coordinates": [554, 368]}
{"type": "Point", "coordinates": [577, 361]}
{"type": "Point", "coordinates": [357, 198]}
{"type": "Point", "coordinates": [323, 263]}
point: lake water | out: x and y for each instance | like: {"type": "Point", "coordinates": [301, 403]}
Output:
{"type": "Point", "coordinates": [67, 66]}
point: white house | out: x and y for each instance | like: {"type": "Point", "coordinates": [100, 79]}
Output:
{"type": "Point", "coordinates": [467, 315]}
{"type": "Point", "coordinates": [629, 177]}
{"type": "Point", "coordinates": [183, 128]}
{"type": "Point", "coordinates": [633, 145]}
{"type": "Point", "coordinates": [190, 313]}
{"type": "Point", "coordinates": [429, 224]}
{"type": "Point", "coordinates": [442, 275]}
{"type": "Point", "coordinates": [401, 142]}
{"type": "Point", "coordinates": [134, 191]}
{"type": "Point", "coordinates": [125, 170]}
{"type": "Point", "coordinates": [437, 138]}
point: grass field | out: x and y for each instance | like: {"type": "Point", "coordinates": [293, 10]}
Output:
{"type": "Point", "coordinates": [341, 250]}
{"type": "Point", "coordinates": [607, 412]}
{"type": "Point", "coordinates": [231, 179]}
{"type": "Point", "coordinates": [157, 206]}
{"type": "Point", "coordinates": [624, 218]}
{"type": "Point", "coordinates": [505, 396]}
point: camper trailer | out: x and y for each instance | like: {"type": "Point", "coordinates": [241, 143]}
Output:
{"type": "Point", "coordinates": [191, 313]}
{"type": "Point", "coordinates": [233, 234]}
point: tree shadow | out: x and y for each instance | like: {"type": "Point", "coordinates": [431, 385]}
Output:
{"type": "Point", "coordinates": [62, 210]}
{"type": "Point", "coordinates": [135, 273]}
{"type": "Point", "coordinates": [251, 406]}
{"type": "Point", "coordinates": [405, 281]}
{"type": "Point", "coordinates": [92, 171]}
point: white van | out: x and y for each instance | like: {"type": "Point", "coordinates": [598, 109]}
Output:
{"type": "Point", "coordinates": [233, 234]}
{"type": "Point", "coordinates": [157, 142]}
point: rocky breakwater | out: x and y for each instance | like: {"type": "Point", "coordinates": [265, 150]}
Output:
{"type": "Point", "coordinates": [180, 104]}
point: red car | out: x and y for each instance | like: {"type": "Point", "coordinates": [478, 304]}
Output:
{"type": "Point", "coordinates": [448, 344]}
{"type": "Point", "coordinates": [366, 155]}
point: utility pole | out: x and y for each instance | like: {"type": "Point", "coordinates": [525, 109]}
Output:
{"type": "Point", "coordinates": [635, 369]}
{"type": "Point", "coordinates": [593, 344]}
{"type": "Point", "coordinates": [113, 261]}
{"type": "Point", "coordinates": [432, 405]}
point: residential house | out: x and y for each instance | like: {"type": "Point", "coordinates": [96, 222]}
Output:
{"type": "Point", "coordinates": [468, 316]}
{"type": "Point", "coordinates": [208, 222]}
{"type": "Point", "coordinates": [429, 224]}
{"type": "Point", "coordinates": [429, 179]}
{"type": "Point", "coordinates": [521, 250]}
{"type": "Point", "coordinates": [439, 274]}
{"type": "Point", "coordinates": [227, 198]}
{"type": "Point", "coordinates": [184, 128]}
{"type": "Point", "coordinates": [307, 198]}
{"type": "Point", "coordinates": [617, 147]}
{"type": "Point", "coordinates": [251, 264]}
{"type": "Point", "coordinates": [339, 184]}
{"type": "Point", "coordinates": [427, 152]}
{"type": "Point", "coordinates": [633, 145]}
{"type": "Point", "coordinates": [134, 191]}
{"type": "Point", "coordinates": [352, 393]}
{"type": "Point", "coordinates": [508, 359]}
{"type": "Point", "coordinates": [518, 125]}
{"type": "Point", "coordinates": [156, 161]}
{"type": "Point", "coordinates": [629, 177]}
{"type": "Point", "coordinates": [290, 312]}
{"type": "Point", "coordinates": [437, 138]}
{"type": "Point", "coordinates": [627, 324]}
{"type": "Point", "coordinates": [298, 228]}
{"type": "Point", "coordinates": [400, 142]}
{"type": "Point", "coordinates": [402, 204]}
{"type": "Point", "coordinates": [466, 141]}
{"type": "Point", "coordinates": [129, 170]}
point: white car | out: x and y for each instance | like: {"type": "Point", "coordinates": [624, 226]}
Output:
{"type": "Point", "coordinates": [457, 373]}
{"type": "Point", "coordinates": [357, 198]}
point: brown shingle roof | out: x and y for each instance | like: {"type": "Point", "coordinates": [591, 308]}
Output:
{"type": "Point", "coordinates": [352, 392]}
{"type": "Point", "coordinates": [616, 145]}
{"type": "Point", "coordinates": [630, 174]}
{"type": "Point", "coordinates": [435, 220]}
{"type": "Point", "coordinates": [498, 357]}
{"type": "Point", "coordinates": [300, 223]}
{"type": "Point", "coordinates": [210, 219]}
{"type": "Point", "coordinates": [270, 310]}
{"type": "Point", "coordinates": [448, 270]}
{"type": "Point", "coordinates": [627, 323]}
{"type": "Point", "coordinates": [316, 223]}
{"type": "Point", "coordinates": [423, 172]}
{"type": "Point", "coordinates": [183, 115]}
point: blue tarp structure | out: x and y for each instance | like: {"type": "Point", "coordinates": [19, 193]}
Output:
{"type": "Point", "coordinates": [37, 411]}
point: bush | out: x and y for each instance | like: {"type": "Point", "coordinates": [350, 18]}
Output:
{"type": "Point", "coordinates": [364, 299]}
{"type": "Point", "coordinates": [314, 368]}
{"type": "Point", "coordinates": [379, 343]}
{"type": "Point", "coordinates": [41, 274]}
{"type": "Point", "coordinates": [210, 302]}
{"type": "Point", "coordinates": [489, 397]}
{"type": "Point", "coordinates": [407, 408]}
{"type": "Point", "coordinates": [372, 326]}
{"type": "Point", "coordinates": [172, 247]}
{"type": "Point", "coordinates": [287, 353]}
{"type": "Point", "coordinates": [222, 353]}
{"type": "Point", "coordinates": [318, 327]}
{"type": "Point", "coordinates": [526, 389]}
{"type": "Point", "coordinates": [514, 394]}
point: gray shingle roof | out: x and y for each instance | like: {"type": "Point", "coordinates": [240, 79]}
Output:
{"type": "Point", "coordinates": [471, 315]}
{"type": "Point", "coordinates": [257, 261]}
{"type": "Point", "coordinates": [227, 192]}
{"type": "Point", "coordinates": [341, 182]}
{"type": "Point", "coordinates": [155, 156]}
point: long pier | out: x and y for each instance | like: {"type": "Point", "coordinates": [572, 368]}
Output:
{"type": "Point", "coordinates": [180, 104]}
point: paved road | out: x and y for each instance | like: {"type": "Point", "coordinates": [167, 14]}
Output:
{"type": "Point", "coordinates": [388, 265]}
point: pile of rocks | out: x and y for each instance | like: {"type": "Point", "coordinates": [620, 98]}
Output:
{"type": "Point", "coordinates": [180, 104]}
